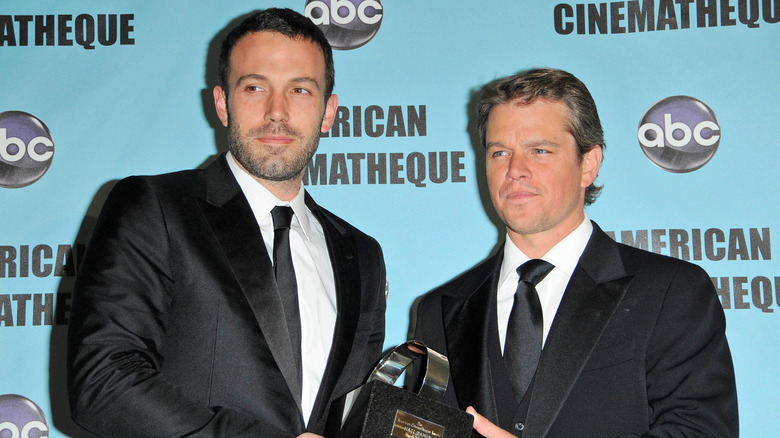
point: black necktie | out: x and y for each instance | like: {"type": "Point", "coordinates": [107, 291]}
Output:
{"type": "Point", "coordinates": [524, 332]}
{"type": "Point", "coordinates": [285, 278]}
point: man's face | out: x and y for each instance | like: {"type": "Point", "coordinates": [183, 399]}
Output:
{"type": "Point", "coordinates": [536, 179]}
{"type": "Point", "coordinates": [275, 108]}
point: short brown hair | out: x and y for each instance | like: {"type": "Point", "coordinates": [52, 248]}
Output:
{"type": "Point", "coordinates": [553, 85]}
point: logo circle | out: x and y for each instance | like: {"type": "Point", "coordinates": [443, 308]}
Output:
{"type": "Point", "coordinates": [21, 417]}
{"type": "Point", "coordinates": [679, 134]}
{"type": "Point", "coordinates": [26, 149]}
{"type": "Point", "coordinates": [347, 24]}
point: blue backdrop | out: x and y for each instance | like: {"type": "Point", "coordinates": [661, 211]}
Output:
{"type": "Point", "coordinates": [92, 93]}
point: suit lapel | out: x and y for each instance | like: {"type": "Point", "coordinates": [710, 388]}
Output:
{"type": "Point", "coordinates": [466, 317]}
{"type": "Point", "coordinates": [343, 257]}
{"type": "Point", "coordinates": [227, 210]}
{"type": "Point", "coordinates": [595, 290]}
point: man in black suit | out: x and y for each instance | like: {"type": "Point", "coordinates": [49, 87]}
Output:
{"type": "Point", "coordinates": [598, 339]}
{"type": "Point", "coordinates": [184, 320]}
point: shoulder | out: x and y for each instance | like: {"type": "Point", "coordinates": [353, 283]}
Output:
{"type": "Point", "coordinates": [652, 267]}
{"type": "Point", "coordinates": [174, 183]}
{"type": "Point", "coordinates": [343, 227]}
{"type": "Point", "coordinates": [640, 261]}
{"type": "Point", "coordinates": [213, 181]}
{"type": "Point", "coordinates": [465, 284]}
{"type": "Point", "coordinates": [678, 286]}
{"type": "Point", "coordinates": [142, 202]}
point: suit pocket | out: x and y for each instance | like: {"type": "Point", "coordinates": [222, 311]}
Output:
{"type": "Point", "coordinates": [615, 354]}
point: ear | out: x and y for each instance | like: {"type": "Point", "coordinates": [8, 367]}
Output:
{"type": "Point", "coordinates": [330, 113]}
{"type": "Point", "coordinates": [220, 103]}
{"type": "Point", "coordinates": [591, 163]}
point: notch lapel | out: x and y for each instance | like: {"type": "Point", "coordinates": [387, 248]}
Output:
{"type": "Point", "coordinates": [226, 210]}
{"type": "Point", "coordinates": [467, 328]}
{"type": "Point", "coordinates": [346, 273]}
{"type": "Point", "coordinates": [595, 290]}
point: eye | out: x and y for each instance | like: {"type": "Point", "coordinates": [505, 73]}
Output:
{"type": "Point", "coordinates": [302, 91]}
{"type": "Point", "coordinates": [539, 151]}
{"type": "Point", "coordinates": [254, 88]}
{"type": "Point", "coordinates": [499, 153]}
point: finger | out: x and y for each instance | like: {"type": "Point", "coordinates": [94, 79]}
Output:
{"type": "Point", "coordinates": [484, 427]}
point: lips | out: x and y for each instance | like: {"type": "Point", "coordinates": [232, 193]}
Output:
{"type": "Point", "coordinates": [275, 134]}
{"type": "Point", "coordinates": [518, 193]}
{"type": "Point", "coordinates": [275, 139]}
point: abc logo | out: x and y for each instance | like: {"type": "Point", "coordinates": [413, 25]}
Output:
{"type": "Point", "coordinates": [347, 24]}
{"type": "Point", "coordinates": [22, 418]}
{"type": "Point", "coordinates": [679, 134]}
{"type": "Point", "coordinates": [26, 149]}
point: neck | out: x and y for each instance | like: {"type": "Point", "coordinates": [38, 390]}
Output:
{"type": "Point", "coordinates": [283, 190]}
{"type": "Point", "coordinates": [531, 247]}
{"type": "Point", "coordinates": [536, 245]}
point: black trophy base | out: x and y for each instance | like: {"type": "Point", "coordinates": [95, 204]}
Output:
{"type": "Point", "coordinates": [385, 411]}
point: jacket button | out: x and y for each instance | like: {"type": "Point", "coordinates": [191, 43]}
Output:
{"type": "Point", "coordinates": [519, 426]}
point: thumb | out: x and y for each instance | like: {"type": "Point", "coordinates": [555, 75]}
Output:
{"type": "Point", "coordinates": [484, 427]}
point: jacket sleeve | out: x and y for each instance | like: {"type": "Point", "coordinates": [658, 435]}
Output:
{"type": "Point", "coordinates": [117, 327]}
{"type": "Point", "coordinates": [691, 388]}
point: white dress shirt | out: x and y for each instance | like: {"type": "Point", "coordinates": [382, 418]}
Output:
{"type": "Point", "coordinates": [564, 256]}
{"type": "Point", "coordinates": [313, 273]}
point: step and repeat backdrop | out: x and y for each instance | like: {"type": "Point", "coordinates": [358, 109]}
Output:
{"type": "Point", "coordinates": [688, 92]}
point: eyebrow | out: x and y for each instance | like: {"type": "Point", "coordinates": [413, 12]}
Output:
{"type": "Point", "coordinates": [297, 80]}
{"type": "Point", "coordinates": [547, 143]}
{"type": "Point", "coordinates": [531, 144]}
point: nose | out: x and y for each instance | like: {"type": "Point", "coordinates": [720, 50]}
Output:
{"type": "Point", "coordinates": [518, 167]}
{"type": "Point", "coordinates": [277, 108]}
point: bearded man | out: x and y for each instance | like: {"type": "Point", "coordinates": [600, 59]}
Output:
{"type": "Point", "coordinates": [225, 302]}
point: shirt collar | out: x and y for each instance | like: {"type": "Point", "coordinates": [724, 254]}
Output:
{"type": "Point", "coordinates": [262, 201]}
{"type": "Point", "coordinates": [564, 255]}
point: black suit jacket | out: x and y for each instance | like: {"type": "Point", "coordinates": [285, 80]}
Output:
{"type": "Point", "coordinates": [176, 325]}
{"type": "Point", "coordinates": [637, 348]}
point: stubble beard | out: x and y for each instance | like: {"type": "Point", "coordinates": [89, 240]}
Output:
{"type": "Point", "coordinates": [284, 166]}
{"type": "Point", "coordinates": [545, 220]}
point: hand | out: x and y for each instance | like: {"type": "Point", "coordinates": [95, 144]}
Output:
{"type": "Point", "coordinates": [484, 427]}
{"type": "Point", "coordinates": [309, 435]}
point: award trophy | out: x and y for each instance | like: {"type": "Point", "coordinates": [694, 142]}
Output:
{"type": "Point", "coordinates": [381, 410]}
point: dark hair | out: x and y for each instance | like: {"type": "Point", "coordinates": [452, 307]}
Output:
{"type": "Point", "coordinates": [553, 85]}
{"type": "Point", "coordinates": [286, 22]}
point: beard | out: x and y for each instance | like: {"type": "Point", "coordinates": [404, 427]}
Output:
{"type": "Point", "coordinates": [284, 165]}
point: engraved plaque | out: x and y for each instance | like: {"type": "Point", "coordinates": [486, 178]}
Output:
{"type": "Point", "coordinates": [407, 425]}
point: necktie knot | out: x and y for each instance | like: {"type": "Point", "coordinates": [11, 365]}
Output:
{"type": "Point", "coordinates": [282, 216]}
{"type": "Point", "coordinates": [533, 271]}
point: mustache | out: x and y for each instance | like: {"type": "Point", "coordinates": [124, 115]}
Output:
{"type": "Point", "coordinates": [275, 129]}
